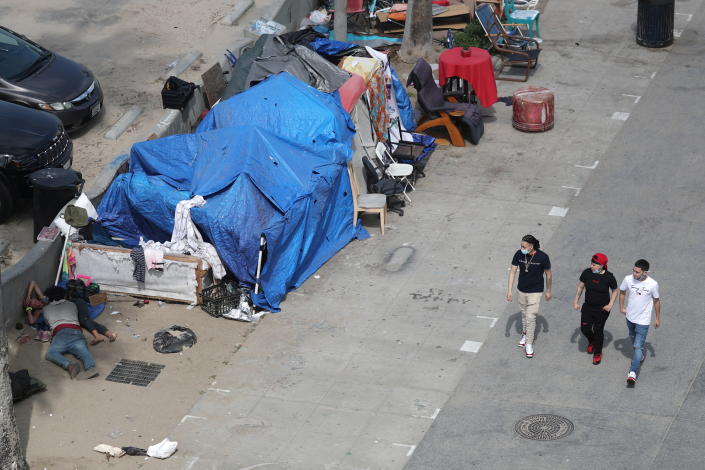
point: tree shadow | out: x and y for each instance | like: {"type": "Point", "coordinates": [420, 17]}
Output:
{"type": "Point", "coordinates": [515, 321]}
{"type": "Point", "coordinates": [578, 337]}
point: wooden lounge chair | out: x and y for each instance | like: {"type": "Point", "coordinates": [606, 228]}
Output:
{"type": "Point", "coordinates": [437, 111]}
{"type": "Point", "coordinates": [513, 49]}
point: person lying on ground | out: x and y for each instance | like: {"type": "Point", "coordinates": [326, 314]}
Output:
{"type": "Point", "coordinates": [62, 317]}
{"type": "Point", "coordinates": [96, 329]}
{"type": "Point", "coordinates": [34, 302]}
{"type": "Point", "coordinates": [84, 319]}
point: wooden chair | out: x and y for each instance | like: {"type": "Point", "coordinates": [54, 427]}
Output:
{"type": "Point", "coordinates": [512, 49]}
{"type": "Point", "coordinates": [437, 110]}
{"type": "Point", "coordinates": [369, 203]}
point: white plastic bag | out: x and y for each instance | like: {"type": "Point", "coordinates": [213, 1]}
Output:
{"type": "Point", "coordinates": [162, 450]}
{"type": "Point", "coordinates": [82, 201]}
{"type": "Point", "coordinates": [319, 17]}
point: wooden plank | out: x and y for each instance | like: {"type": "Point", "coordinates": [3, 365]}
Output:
{"type": "Point", "coordinates": [453, 10]}
{"type": "Point", "coordinates": [213, 83]}
{"type": "Point", "coordinates": [119, 249]}
{"type": "Point", "coordinates": [455, 26]}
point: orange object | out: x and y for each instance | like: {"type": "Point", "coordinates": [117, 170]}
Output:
{"type": "Point", "coordinates": [399, 16]}
{"type": "Point", "coordinates": [533, 109]}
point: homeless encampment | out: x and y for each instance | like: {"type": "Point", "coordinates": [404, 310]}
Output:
{"type": "Point", "coordinates": [271, 160]}
{"type": "Point", "coordinates": [273, 54]}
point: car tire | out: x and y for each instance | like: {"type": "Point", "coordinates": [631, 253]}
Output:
{"type": "Point", "coordinates": [7, 202]}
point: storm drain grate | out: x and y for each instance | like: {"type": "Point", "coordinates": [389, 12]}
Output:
{"type": "Point", "coordinates": [134, 372]}
{"type": "Point", "coordinates": [543, 427]}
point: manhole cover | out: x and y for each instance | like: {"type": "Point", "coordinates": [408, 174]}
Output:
{"type": "Point", "coordinates": [134, 372]}
{"type": "Point", "coordinates": [543, 427]}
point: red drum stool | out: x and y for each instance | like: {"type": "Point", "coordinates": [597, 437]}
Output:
{"type": "Point", "coordinates": [533, 109]}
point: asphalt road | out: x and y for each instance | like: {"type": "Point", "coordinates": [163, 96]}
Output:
{"type": "Point", "coordinates": [645, 200]}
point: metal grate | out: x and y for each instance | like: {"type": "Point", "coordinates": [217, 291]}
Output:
{"type": "Point", "coordinates": [134, 372]}
{"type": "Point", "coordinates": [543, 427]}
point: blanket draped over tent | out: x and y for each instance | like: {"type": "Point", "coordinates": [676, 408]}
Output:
{"type": "Point", "coordinates": [271, 160]}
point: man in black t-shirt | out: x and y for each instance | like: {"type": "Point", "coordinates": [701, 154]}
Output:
{"type": "Point", "coordinates": [597, 282]}
{"type": "Point", "coordinates": [532, 264]}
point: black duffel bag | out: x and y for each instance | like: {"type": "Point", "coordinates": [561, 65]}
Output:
{"type": "Point", "coordinates": [176, 93]}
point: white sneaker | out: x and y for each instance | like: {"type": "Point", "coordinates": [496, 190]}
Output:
{"type": "Point", "coordinates": [529, 350]}
{"type": "Point", "coordinates": [631, 378]}
{"type": "Point", "coordinates": [522, 341]}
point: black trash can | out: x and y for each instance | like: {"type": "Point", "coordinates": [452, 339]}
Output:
{"type": "Point", "coordinates": [654, 24]}
{"type": "Point", "coordinates": [52, 189]}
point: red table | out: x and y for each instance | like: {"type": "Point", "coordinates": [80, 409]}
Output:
{"type": "Point", "coordinates": [476, 69]}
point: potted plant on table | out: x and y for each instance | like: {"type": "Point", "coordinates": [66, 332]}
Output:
{"type": "Point", "coordinates": [472, 36]}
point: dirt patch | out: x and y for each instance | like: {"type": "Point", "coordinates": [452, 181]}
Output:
{"type": "Point", "coordinates": [61, 426]}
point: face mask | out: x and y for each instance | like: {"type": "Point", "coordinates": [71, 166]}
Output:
{"type": "Point", "coordinates": [524, 252]}
{"type": "Point", "coordinates": [596, 271]}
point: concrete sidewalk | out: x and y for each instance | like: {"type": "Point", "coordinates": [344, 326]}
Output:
{"type": "Point", "coordinates": [644, 201]}
{"type": "Point", "coordinates": [366, 355]}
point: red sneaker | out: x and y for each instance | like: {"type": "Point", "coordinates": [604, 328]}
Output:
{"type": "Point", "coordinates": [590, 348]}
{"type": "Point", "coordinates": [597, 358]}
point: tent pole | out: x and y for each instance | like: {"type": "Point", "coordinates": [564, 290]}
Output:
{"type": "Point", "coordinates": [262, 242]}
{"type": "Point", "coordinates": [61, 258]}
{"type": "Point", "coordinates": [340, 20]}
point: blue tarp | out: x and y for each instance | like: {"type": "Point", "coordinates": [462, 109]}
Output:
{"type": "Point", "coordinates": [292, 110]}
{"type": "Point", "coordinates": [267, 161]}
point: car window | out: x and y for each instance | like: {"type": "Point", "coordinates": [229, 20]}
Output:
{"type": "Point", "coordinates": [17, 56]}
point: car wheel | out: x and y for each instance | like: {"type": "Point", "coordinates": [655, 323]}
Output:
{"type": "Point", "coordinates": [7, 203]}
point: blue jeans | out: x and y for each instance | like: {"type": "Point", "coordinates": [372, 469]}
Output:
{"type": "Point", "coordinates": [637, 333]}
{"type": "Point", "coordinates": [69, 340]}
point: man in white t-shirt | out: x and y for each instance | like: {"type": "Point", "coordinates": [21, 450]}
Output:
{"type": "Point", "coordinates": [643, 298]}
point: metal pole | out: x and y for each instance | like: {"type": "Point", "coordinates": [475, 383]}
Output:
{"type": "Point", "coordinates": [262, 243]}
{"type": "Point", "coordinates": [340, 22]}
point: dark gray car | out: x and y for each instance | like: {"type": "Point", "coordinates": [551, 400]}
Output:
{"type": "Point", "coordinates": [29, 141]}
{"type": "Point", "coordinates": [33, 76]}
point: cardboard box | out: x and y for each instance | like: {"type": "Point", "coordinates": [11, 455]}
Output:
{"type": "Point", "coordinates": [97, 299]}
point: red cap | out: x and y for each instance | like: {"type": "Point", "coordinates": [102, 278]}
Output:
{"type": "Point", "coordinates": [600, 258]}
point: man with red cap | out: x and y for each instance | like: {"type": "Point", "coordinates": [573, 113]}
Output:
{"type": "Point", "coordinates": [600, 288]}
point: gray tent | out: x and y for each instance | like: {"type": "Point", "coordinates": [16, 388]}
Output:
{"type": "Point", "coordinates": [271, 55]}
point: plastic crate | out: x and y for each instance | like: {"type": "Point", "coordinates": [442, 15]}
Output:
{"type": "Point", "coordinates": [219, 299]}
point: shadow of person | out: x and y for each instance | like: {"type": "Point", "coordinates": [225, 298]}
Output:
{"type": "Point", "coordinates": [624, 345]}
{"type": "Point", "coordinates": [578, 337]}
{"type": "Point", "coordinates": [514, 321]}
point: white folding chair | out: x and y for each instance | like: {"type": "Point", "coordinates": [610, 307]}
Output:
{"type": "Point", "coordinates": [400, 171]}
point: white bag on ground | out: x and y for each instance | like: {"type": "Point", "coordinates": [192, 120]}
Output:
{"type": "Point", "coordinates": [162, 450]}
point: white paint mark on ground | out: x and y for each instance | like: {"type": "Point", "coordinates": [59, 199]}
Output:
{"type": "Point", "coordinates": [589, 167]}
{"type": "Point", "coordinates": [677, 33]}
{"type": "Point", "coordinates": [688, 15]}
{"type": "Point", "coordinates": [620, 116]}
{"type": "Point", "coordinates": [192, 463]}
{"type": "Point", "coordinates": [411, 448]}
{"type": "Point", "coordinates": [653, 74]}
{"type": "Point", "coordinates": [190, 417]}
{"type": "Point", "coordinates": [494, 319]}
{"type": "Point", "coordinates": [637, 98]}
{"type": "Point", "coordinates": [219, 390]}
{"type": "Point", "coordinates": [573, 188]}
{"type": "Point", "coordinates": [558, 211]}
{"type": "Point", "coordinates": [433, 416]}
{"type": "Point", "coordinates": [471, 346]}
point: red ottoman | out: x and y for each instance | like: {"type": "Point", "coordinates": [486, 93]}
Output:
{"type": "Point", "coordinates": [533, 109]}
